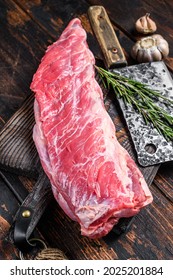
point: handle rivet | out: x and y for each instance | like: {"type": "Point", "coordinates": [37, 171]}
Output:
{"type": "Point", "coordinates": [26, 214]}
{"type": "Point", "coordinates": [114, 50]}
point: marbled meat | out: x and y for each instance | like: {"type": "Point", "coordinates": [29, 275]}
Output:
{"type": "Point", "coordinates": [93, 178]}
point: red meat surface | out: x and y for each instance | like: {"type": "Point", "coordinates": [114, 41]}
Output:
{"type": "Point", "coordinates": [93, 178]}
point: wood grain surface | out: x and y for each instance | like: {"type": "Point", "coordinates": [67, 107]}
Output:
{"type": "Point", "coordinates": [27, 28]}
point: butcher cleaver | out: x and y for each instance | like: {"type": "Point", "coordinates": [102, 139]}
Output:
{"type": "Point", "coordinates": [151, 147]}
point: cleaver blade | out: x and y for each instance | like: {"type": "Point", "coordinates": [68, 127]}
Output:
{"type": "Point", "coordinates": [151, 147]}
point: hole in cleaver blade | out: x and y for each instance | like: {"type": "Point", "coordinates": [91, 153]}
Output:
{"type": "Point", "coordinates": [151, 147]}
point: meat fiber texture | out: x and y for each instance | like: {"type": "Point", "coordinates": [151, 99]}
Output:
{"type": "Point", "coordinates": [93, 178]}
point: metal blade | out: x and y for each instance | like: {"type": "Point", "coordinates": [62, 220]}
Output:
{"type": "Point", "coordinates": [151, 147]}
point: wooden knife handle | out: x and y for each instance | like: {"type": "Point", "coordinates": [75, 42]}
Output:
{"type": "Point", "coordinates": [105, 34]}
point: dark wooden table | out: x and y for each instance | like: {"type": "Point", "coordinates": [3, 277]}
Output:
{"type": "Point", "coordinates": [27, 28]}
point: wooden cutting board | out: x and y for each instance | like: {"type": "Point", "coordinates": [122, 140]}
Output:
{"type": "Point", "coordinates": [17, 150]}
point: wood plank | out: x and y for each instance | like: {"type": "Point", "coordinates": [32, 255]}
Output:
{"type": "Point", "coordinates": [19, 57]}
{"type": "Point", "coordinates": [164, 181]}
{"type": "Point", "coordinates": [53, 16]}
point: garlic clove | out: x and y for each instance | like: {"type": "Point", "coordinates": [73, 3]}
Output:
{"type": "Point", "coordinates": [145, 25]}
{"type": "Point", "coordinates": [162, 45]}
{"type": "Point", "coordinates": [134, 50]}
{"type": "Point", "coordinates": [141, 56]}
{"type": "Point", "coordinates": [156, 54]}
{"type": "Point", "coordinates": [147, 57]}
{"type": "Point", "coordinates": [164, 49]}
{"type": "Point", "coordinates": [158, 37]}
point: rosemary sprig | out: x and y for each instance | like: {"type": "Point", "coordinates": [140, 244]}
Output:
{"type": "Point", "coordinates": [141, 98]}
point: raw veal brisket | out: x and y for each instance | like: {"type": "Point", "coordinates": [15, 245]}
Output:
{"type": "Point", "coordinates": [93, 177]}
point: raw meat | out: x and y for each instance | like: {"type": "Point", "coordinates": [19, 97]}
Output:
{"type": "Point", "coordinates": [93, 177]}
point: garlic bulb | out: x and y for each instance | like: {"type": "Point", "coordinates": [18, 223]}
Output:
{"type": "Point", "coordinates": [145, 25]}
{"type": "Point", "coordinates": [150, 48]}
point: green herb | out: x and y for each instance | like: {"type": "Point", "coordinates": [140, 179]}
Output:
{"type": "Point", "coordinates": [141, 98]}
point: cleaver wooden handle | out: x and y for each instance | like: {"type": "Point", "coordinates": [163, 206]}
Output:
{"type": "Point", "coordinates": [105, 34]}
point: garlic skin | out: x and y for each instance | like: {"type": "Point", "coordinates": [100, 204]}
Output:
{"type": "Point", "coordinates": [145, 25]}
{"type": "Point", "coordinates": [150, 48]}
